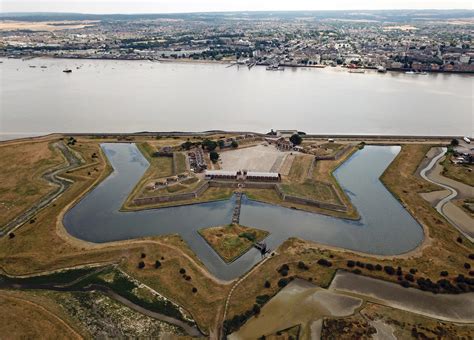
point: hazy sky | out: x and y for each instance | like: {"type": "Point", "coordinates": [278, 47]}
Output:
{"type": "Point", "coordinates": [161, 6]}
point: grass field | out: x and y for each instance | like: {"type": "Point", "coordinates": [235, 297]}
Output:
{"type": "Point", "coordinates": [232, 241]}
{"type": "Point", "coordinates": [299, 168]}
{"type": "Point", "coordinates": [21, 182]}
{"type": "Point", "coordinates": [25, 315]}
{"type": "Point", "coordinates": [180, 162]}
{"type": "Point", "coordinates": [463, 173]}
{"type": "Point", "coordinates": [312, 189]}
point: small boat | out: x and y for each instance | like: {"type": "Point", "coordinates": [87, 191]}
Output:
{"type": "Point", "coordinates": [356, 70]}
{"type": "Point", "coordinates": [381, 69]}
{"type": "Point", "coordinates": [32, 66]}
{"type": "Point", "coordinates": [44, 66]}
{"type": "Point", "coordinates": [410, 72]}
{"type": "Point", "coordinates": [67, 71]}
{"type": "Point", "coordinates": [275, 67]}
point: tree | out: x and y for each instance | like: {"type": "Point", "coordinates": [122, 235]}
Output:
{"type": "Point", "coordinates": [187, 145]}
{"type": "Point", "coordinates": [296, 139]}
{"type": "Point", "coordinates": [234, 144]}
{"type": "Point", "coordinates": [209, 145]}
{"type": "Point", "coordinates": [454, 142]}
{"type": "Point", "coordinates": [221, 143]}
{"type": "Point", "coordinates": [214, 156]}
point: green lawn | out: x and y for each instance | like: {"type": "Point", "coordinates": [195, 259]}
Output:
{"type": "Point", "coordinates": [312, 189]}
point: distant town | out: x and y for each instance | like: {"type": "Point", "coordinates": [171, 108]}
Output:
{"type": "Point", "coordinates": [410, 41]}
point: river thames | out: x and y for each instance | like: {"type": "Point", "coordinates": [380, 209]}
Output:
{"type": "Point", "coordinates": [130, 96]}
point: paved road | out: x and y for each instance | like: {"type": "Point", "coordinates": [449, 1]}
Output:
{"type": "Point", "coordinates": [52, 176]}
{"type": "Point", "coordinates": [444, 206]}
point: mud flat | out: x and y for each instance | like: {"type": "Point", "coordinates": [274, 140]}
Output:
{"type": "Point", "coordinates": [298, 303]}
{"type": "Point", "coordinates": [454, 308]}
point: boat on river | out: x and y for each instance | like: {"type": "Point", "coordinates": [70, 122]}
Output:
{"type": "Point", "coordinates": [67, 71]}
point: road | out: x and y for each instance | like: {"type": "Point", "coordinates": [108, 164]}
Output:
{"type": "Point", "coordinates": [466, 230]}
{"type": "Point", "coordinates": [52, 176]}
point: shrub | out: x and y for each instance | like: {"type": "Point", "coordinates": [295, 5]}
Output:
{"type": "Point", "coordinates": [141, 265]}
{"type": "Point", "coordinates": [471, 272]}
{"type": "Point", "coordinates": [284, 268]}
{"type": "Point", "coordinates": [256, 309]}
{"type": "Point", "coordinates": [187, 277]}
{"type": "Point", "coordinates": [284, 272]}
{"type": "Point", "coordinates": [360, 264]}
{"type": "Point", "coordinates": [282, 283]}
{"type": "Point", "coordinates": [405, 284]}
{"type": "Point", "coordinates": [302, 265]}
{"type": "Point", "coordinates": [194, 290]}
{"type": "Point", "coordinates": [467, 265]}
{"type": "Point", "coordinates": [267, 284]}
{"type": "Point", "coordinates": [409, 277]}
{"type": "Point", "coordinates": [369, 266]}
{"type": "Point", "coordinates": [324, 262]}
{"type": "Point", "coordinates": [357, 271]}
{"type": "Point", "coordinates": [157, 264]}
{"type": "Point", "coordinates": [11, 235]}
{"type": "Point", "coordinates": [350, 264]}
{"type": "Point", "coordinates": [143, 255]}
{"type": "Point", "coordinates": [378, 267]}
{"type": "Point", "coordinates": [413, 270]}
{"type": "Point", "coordinates": [399, 271]}
{"type": "Point", "coordinates": [389, 270]}
{"type": "Point", "coordinates": [262, 299]}
{"type": "Point", "coordinates": [471, 256]}
{"type": "Point", "coordinates": [444, 273]}
{"type": "Point", "coordinates": [182, 271]}
{"type": "Point", "coordinates": [459, 239]}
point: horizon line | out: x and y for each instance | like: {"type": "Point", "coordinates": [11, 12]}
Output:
{"type": "Point", "coordinates": [240, 11]}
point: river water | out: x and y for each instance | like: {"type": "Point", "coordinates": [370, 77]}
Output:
{"type": "Point", "coordinates": [131, 96]}
{"type": "Point", "coordinates": [385, 227]}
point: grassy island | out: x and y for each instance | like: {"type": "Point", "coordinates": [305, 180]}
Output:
{"type": "Point", "coordinates": [232, 241]}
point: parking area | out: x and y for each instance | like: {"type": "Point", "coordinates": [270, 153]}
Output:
{"type": "Point", "coordinates": [256, 158]}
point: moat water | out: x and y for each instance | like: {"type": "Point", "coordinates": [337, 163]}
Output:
{"type": "Point", "coordinates": [131, 96]}
{"type": "Point", "coordinates": [385, 227]}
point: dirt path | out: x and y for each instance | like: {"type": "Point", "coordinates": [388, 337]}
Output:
{"type": "Point", "coordinates": [432, 173]}
{"type": "Point", "coordinates": [52, 176]}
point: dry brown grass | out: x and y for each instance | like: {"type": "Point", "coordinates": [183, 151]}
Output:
{"type": "Point", "coordinates": [21, 182]}
{"type": "Point", "coordinates": [439, 252]}
{"type": "Point", "coordinates": [228, 241]}
{"type": "Point", "coordinates": [25, 315]}
{"type": "Point", "coordinates": [463, 173]}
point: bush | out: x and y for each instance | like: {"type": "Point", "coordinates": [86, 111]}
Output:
{"type": "Point", "coordinates": [256, 309]}
{"type": "Point", "coordinates": [302, 265]}
{"type": "Point", "coordinates": [459, 239]}
{"type": "Point", "coordinates": [471, 273]}
{"type": "Point", "coordinates": [444, 273]}
{"type": "Point", "coordinates": [360, 264]}
{"type": "Point", "coordinates": [262, 299]}
{"type": "Point", "coordinates": [11, 235]}
{"type": "Point", "coordinates": [378, 267]}
{"type": "Point", "coordinates": [296, 139]}
{"type": "Point", "coordinates": [357, 271]}
{"type": "Point", "coordinates": [350, 264]}
{"type": "Point", "coordinates": [194, 290]}
{"type": "Point", "coordinates": [214, 156]}
{"type": "Point", "coordinates": [471, 256]}
{"type": "Point", "coordinates": [467, 265]}
{"type": "Point", "coordinates": [389, 270]}
{"type": "Point", "coordinates": [282, 283]}
{"type": "Point", "coordinates": [182, 271]}
{"type": "Point", "coordinates": [399, 271]}
{"type": "Point", "coordinates": [187, 277]}
{"type": "Point", "coordinates": [284, 267]}
{"type": "Point", "coordinates": [405, 284]}
{"type": "Point", "coordinates": [413, 270]}
{"type": "Point", "coordinates": [267, 284]}
{"type": "Point", "coordinates": [409, 277]}
{"type": "Point", "coordinates": [324, 263]}
{"type": "Point", "coordinates": [157, 264]}
{"type": "Point", "coordinates": [141, 265]}
{"type": "Point", "coordinates": [369, 266]}
{"type": "Point", "coordinates": [143, 255]}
